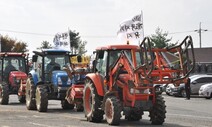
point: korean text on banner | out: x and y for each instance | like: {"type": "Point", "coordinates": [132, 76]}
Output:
{"type": "Point", "coordinates": [61, 41]}
{"type": "Point", "coordinates": [132, 29]}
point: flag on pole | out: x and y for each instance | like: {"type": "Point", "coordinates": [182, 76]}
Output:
{"type": "Point", "coordinates": [61, 41]}
{"type": "Point", "coordinates": [132, 29]}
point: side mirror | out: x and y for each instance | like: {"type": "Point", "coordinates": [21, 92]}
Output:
{"type": "Point", "coordinates": [34, 58]}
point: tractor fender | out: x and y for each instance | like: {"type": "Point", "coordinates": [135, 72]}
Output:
{"type": "Point", "coordinates": [98, 82]}
{"type": "Point", "coordinates": [35, 76]}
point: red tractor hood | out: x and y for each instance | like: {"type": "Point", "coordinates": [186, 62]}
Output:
{"type": "Point", "coordinates": [17, 75]}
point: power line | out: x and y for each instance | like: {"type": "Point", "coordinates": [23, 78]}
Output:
{"type": "Point", "coordinates": [180, 32]}
{"type": "Point", "coordinates": [44, 34]}
{"type": "Point", "coordinates": [13, 31]}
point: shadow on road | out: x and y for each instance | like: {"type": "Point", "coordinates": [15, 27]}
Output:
{"type": "Point", "coordinates": [144, 123]}
{"type": "Point", "coordinates": [16, 104]}
{"type": "Point", "coordinates": [60, 110]}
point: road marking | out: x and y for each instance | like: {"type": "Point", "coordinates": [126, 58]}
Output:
{"type": "Point", "coordinates": [203, 117]}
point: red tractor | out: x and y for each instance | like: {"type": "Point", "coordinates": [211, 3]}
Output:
{"type": "Point", "coordinates": [13, 75]}
{"type": "Point", "coordinates": [76, 73]}
{"type": "Point", "coordinates": [125, 79]}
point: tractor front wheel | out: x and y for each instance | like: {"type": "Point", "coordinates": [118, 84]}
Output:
{"type": "Point", "coordinates": [41, 98]}
{"type": "Point", "coordinates": [22, 98]}
{"type": "Point", "coordinates": [79, 107]}
{"type": "Point", "coordinates": [134, 114]}
{"type": "Point", "coordinates": [92, 103]}
{"type": "Point", "coordinates": [113, 110]}
{"type": "Point", "coordinates": [30, 94]}
{"type": "Point", "coordinates": [65, 105]}
{"type": "Point", "coordinates": [4, 94]}
{"type": "Point", "coordinates": [158, 111]}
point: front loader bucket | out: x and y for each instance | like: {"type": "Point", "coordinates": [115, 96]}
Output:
{"type": "Point", "coordinates": [186, 57]}
{"type": "Point", "coordinates": [173, 64]}
{"type": "Point", "coordinates": [147, 58]}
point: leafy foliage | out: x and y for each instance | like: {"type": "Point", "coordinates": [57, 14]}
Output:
{"type": "Point", "coordinates": [20, 47]}
{"type": "Point", "coordinates": [81, 49]}
{"type": "Point", "coordinates": [77, 45]}
{"type": "Point", "coordinates": [12, 45]}
{"type": "Point", "coordinates": [74, 40]}
{"type": "Point", "coordinates": [45, 45]}
{"type": "Point", "coordinates": [159, 39]}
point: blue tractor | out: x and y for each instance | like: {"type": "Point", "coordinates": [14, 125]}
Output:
{"type": "Point", "coordinates": [47, 80]}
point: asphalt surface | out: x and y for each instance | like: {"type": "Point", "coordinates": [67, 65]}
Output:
{"type": "Point", "coordinates": [196, 112]}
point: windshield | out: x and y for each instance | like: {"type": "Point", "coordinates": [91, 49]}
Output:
{"type": "Point", "coordinates": [57, 61]}
{"type": "Point", "coordinates": [14, 63]}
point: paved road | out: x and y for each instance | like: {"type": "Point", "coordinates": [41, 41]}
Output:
{"type": "Point", "coordinates": [196, 112]}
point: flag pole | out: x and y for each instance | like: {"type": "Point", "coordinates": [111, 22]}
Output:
{"type": "Point", "coordinates": [142, 21]}
{"type": "Point", "coordinates": [142, 26]}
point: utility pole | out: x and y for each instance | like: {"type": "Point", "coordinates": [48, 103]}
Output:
{"type": "Point", "coordinates": [0, 42]}
{"type": "Point", "coordinates": [200, 30]}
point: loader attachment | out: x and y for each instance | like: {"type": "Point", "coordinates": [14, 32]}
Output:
{"type": "Point", "coordinates": [147, 58]}
{"type": "Point", "coordinates": [172, 65]}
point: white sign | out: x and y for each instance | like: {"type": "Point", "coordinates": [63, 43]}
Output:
{"type": "Point", "coordinates": [61, 41]}
{"type": "Point", "coordinates": [132, 29]}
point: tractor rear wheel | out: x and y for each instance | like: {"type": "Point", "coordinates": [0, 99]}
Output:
{"type": "Point", "coordinates": [158, 111]}
{"type": "Point", "coordinates": [66, 105]}
{"type": "Point", "coordinates": [92, 103]}
{"type": "Point", "coordinates": [22, 98]}
{"type": "Point", "coordinates": [4, 94]}
{"type": "Point", "coordinates": [41, 98]}
{"type": "Point", "coordinates": [113, 110]}
{"type": "Point", "coordinates": [30, 94]}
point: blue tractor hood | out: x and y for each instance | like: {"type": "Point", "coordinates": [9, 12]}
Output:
{"type": "Point", "coordinates": [60, 78]}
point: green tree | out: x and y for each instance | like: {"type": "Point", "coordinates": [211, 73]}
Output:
{"type": "Point", "coordinates": [81, 49]}
{"type": "Point", "coordinates": [45, 45]}
{"type": "Point", "coordinates": [160, 40]}
{"type": "Point", "coordinates": [12, 45]}
{"type": "Point", "coordinates": [74, 40]}
{"type": "Point", "coordinates": [76, 44]}
{"type": "Point", "coordinates": [20, 47]}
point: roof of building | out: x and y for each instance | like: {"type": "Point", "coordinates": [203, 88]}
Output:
{"type": "Point", "coordinates": [203, 55]}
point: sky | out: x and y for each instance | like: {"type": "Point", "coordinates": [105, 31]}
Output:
{"type": "Point", "coordinates": [97, 21]}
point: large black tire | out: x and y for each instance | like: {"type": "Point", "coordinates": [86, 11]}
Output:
{"type": "Point", "coordinates": [30, 94]}
{"type": "Point", "coordinates": [65, 105]}
{"type": "Point", "coordinates": [4, 94]}
{"type": "Point", "coordinates": [41, 98]}
{"type": "Point", "coordinates": [134, 114]}
{"type": "Point", "coordinates": [113, 110]}
{"type": "Point", "coordinates": [79, 107]}
{"type": "Point", "coordinates": [209, 97]}
{"type": "Point", "coordinates": [22, 98]}
{"type": "Point", "coordinates": [183, 93]}
{"type": "Point", "coordinates": [92, 103]}
{"type": "Point", "coordinates": [158, 112]}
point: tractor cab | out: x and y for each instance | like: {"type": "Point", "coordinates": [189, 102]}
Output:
{"type": "Point", "coordinates": [47, 80]}
{"type": "Point", "coordinates": [48, 63]}
{"type": "Point", "coordinates": [13, 75]}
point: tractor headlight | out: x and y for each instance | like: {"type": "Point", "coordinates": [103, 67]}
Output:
{"type": "Point", "coordinates": [136, 91]}
{"type": "Point", "coordinates": [59, 81]}
{"type": "Point", "coordinates": [69, 81]}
